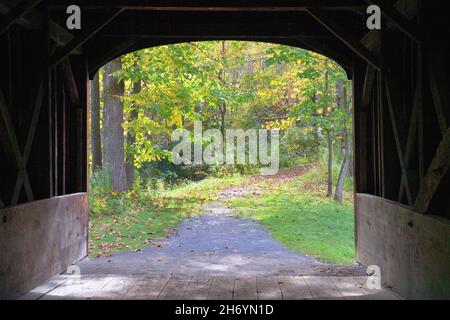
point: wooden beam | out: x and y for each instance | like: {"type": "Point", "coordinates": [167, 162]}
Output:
{"type": "Point", "coordinates": [219, 5]}
{"type": "Point", "coordinates": [397, 19]}
{"type": "Point", "coordinates": [32, 20]}
{"type": "Point", "coordinates": [343, 35]}
{"type": "Point", "coordinates": [368, 86]}
{"type": "Point", "coordinates": [15, 147]}
{"type": "Point", "coordinates": [16, 13]}
{"type": "Point", "coordinates": [29, 141]}
{"type": "Point", "coordinates": [117, 50]}
{"type": "Point", "coordinates": [324, 50]}
{"type": "Point", "coordinates": [86, 34]}
{"type": "Point", "coordinates": [438, 81]}
{"type": "Point", "coordinates": [397, 141]}
{"type": "Point", "coordinates": [412, 132]}
{"type": "Point", "coordinates": [60, 35]}
{"type": "Point", "coordinates": [437, 170]}
{"type": "Point", "coordinates": [70, 82]}
{"type": "Point", "coordinates": [420, 119]}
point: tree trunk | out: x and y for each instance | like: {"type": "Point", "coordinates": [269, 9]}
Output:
{"type": "Point", "coordinates": [222, 75]}
{"type": "Point", "coordinates": [131, 140]}
{"type": "Point", "coordinates": [338, 196]}
{"type": "Point", "coordinates": [349, 135]}
{"type": "Point", "coordinates": [330, 163]}
{"type": "Point", "coordinates": [341, 104]}
{"type": "Point", "coordinates": [347, 141]}
{"type": "Point", "coordinates": [329, 137]}
{"type": "Point", "coordinates": [350, 153]}
{"type": "Point", "coordinates": [96, 139]}
{"type": "Point", "coordinates": [223, 111]}
{"type": "Point", "coordinates": [113, 139]}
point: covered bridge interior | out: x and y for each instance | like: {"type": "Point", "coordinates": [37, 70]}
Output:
{"type": "Point", "coordinates": [401, 106]}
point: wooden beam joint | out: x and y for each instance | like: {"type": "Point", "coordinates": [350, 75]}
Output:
{"type": "Point", "coordinates": [85, 35]}
{"type": "Point", "coordinates": [343, 36]}
{"type": "Point", "coordinates": [16, 13]}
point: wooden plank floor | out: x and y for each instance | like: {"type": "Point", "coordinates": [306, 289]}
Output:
{"type": "Point", "coordinates": [203, 288]}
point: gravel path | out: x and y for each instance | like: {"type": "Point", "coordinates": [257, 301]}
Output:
{"type": "Point", "coordinates": [216, 244]}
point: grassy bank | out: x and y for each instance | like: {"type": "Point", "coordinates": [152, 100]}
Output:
{"type": "Point", "coordinates": [299, 216]}
{"type": "Point", "coordinates": [138, 218]}
{"type": "Point", "coordinates": [291, 205]}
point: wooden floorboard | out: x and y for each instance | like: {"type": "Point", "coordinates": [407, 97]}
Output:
{"type": "Point", "coordinates": [355, 288]}
{"type": "Point", "coordinates": [245, 289]}
{"type": "Point", "coordinates": [221, 288]}
{"type": "Point", "coordinates": [294, 288]}
{"type": "Point", "coordinates": [268, 288]}
{"type": "Point", "coordinates": [115, 289]}
{"type": "Point", "coordinates": [322, 288]}
{"type": "Point", "coordinates": [208, 288]}
{"type": "Point", "coordinates": [146, 288]}
{"type": "Point", "coordinates": [198, 288]}
{"type": "Point", "coordinates": [174, 289]}
{"type": "Point", "coordinates": [74, 288]}
{"type": "Point", "coordinates": [45, 288]}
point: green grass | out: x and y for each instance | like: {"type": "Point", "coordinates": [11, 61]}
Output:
{"type": "Point", "coordinates": [296, 212]}
{"type": "Point", "coordinates": [300, 217]}
{"type": "Point", "coordinates": [139, 218]}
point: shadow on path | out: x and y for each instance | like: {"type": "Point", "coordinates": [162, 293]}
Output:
{"type": "Point", "coordinates": [216, 244]}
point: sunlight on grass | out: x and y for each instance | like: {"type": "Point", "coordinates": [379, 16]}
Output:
{"type": "Point", "coordinates": [295, 211]}
{"type": "Point", "coordinates": [300, 217]}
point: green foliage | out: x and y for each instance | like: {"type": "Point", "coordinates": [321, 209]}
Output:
{"type": "Point", "coordinates": [298, 146]}
{"type": "Point", "coordinates": [225, 84]}
{"type": "Point", "coordinates": [235, 84]}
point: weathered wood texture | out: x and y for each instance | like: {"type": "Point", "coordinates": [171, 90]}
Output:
{"type": "Point", "coordinates": [410, 248]}
{"type": "Point", "coordinates": [395, 77]}
{"type": "Point", "coordinates": [400, 78]}
{"type": "Point", "coordinates": [63, 287]}
{"type": "Point", "coordinates": [39, 240]}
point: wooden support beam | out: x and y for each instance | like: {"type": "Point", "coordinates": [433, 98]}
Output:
{"type": "Point", "coordinates": [437, 170]}
{"type": "Point", "coordinates": [15, 147]}
{"type": "Point", "coordinates": [412, 132]}
{"type": "Point", "coordinates": [343, 36]}
{"type": "Point", "coordinates": [369, 80]}
{"type": "Point", "coordinates": [59, 34]}
{"type": "Point", "coordinates": [70, 82]}
{"type": "Point", "coordinates": [397, 19]}
{"type": "Point", "coordinates": [219, 5]}
{"type": "Point", "coordinates": [380, 135]}
{"type": "Point", "coordinates": [360, 137]}
{"type": "Point", "coordinates": [86, 34]}
{"type": "Point", "coordinates": [420, 119]}
{"type": "Point", "coordinates": [397, 141]}
{"type": "Point", "coordinates": [117, 50]}
{"type": "Point", "coordinates": [29, 141]}
{"type": "Point", "coordinates": [438, 81]}
{"type": "Point", "coordinates": [322, 49]}
{"type": "Point", "coordinates": [16, 13]}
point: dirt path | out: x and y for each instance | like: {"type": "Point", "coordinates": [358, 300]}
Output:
{"type": "Point", "coordinates": [219, 244]}
{"type": "Point", "coordinates": [250, 186]}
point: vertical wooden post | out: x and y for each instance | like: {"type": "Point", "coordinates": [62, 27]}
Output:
{"type": "Point", "coordinates": [49, 98]}
{"type": "Point", "coordinates": [360, 130]}
{"type": "Point", "coordinates": [420, 127]}
{"type": "Point", "coordinates": [86, 100]}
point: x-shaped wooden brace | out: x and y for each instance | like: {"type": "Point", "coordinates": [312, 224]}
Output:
{"type": "Point", "coordinates": [401, 156]}
{"type": "Point", "coordinates": [21, 158]}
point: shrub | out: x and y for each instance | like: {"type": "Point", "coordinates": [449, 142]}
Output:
{"type": "Point", "coordinates": [297, 147]}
